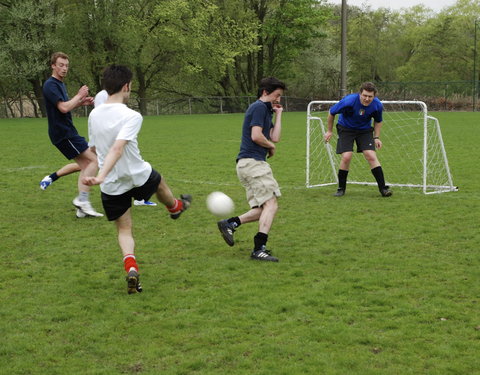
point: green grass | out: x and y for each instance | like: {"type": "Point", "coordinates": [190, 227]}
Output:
{"type": "Point", "coordinates": [365, 285]}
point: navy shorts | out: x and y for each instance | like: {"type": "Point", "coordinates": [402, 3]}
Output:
{"type": "Point", "coordinates": [72, 147]}
{"type": "Point", "coordinates": [116, 205]}
{"type": "Point", "coordinates": [346, 137]}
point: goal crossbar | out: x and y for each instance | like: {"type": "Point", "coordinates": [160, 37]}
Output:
{"type": "Point", "coordinates": [413, 153]}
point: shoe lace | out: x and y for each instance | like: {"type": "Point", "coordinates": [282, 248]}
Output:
{"type": "Point", "coordinates": [265, 250]}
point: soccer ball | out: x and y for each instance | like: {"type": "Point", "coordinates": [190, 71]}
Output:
{"type": "Point", "coordinates": [220, 204]}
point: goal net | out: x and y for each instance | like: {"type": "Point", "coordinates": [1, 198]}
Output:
{"type": "Point", "coordinates": [413, 153]}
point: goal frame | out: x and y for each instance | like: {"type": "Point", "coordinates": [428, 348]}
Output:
{"type": "Point", "coordinates": [332, 154]}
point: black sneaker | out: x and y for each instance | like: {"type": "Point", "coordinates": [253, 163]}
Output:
{"type": "Point", "coordinates": [186, 200]}
{"type": "Point", "coordinates": [263, 254]}
{"type": "Point", "coordinates": [339, 193]}
{"type": "Point", "coordinates": [385, 191]}
{"type": "Point", "coordinates": [226, 229]}
{"type": "Point", "coordinates": [133, 282]}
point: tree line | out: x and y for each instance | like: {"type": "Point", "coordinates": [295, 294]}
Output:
{"type": "Point", "coordinates": [188, 48]}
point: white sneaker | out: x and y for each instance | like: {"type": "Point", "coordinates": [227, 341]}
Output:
{"type": "Point", "coordinates": [143, 203]}
{"type": "Point", "coordinates": [46, 182]}
{"type": "Point", "coordinates": [86, 208]}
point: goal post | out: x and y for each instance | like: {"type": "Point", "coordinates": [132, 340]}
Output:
{"type": "Point", "coordinates": [413, 153]}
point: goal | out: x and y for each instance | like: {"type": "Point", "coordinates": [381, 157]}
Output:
{"type": "Point", "coordinates": [413, 154]}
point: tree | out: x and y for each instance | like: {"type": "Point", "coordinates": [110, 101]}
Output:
{"type": "Point", "coordinates": [444, 46]}
{"type": "Point", "coordinates": [27, 37]}
{"type": "Point", "coordinates": [284, 29]}
{"type": "Point", "coordinates": [174, 47]}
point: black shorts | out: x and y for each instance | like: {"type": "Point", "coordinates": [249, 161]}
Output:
{"type": "Point", "coordinates": [116, 205]}
{"type": "Point", "coordinates": [346, 137]}
{"type": "Point", "coordinates": [72, 147]}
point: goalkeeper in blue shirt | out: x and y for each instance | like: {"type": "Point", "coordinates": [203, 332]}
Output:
{"type": "Point", "coordinates": [355, 124]}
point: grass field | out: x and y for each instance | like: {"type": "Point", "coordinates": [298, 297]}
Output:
{"type": "Point", "coordinates": [365, 285]}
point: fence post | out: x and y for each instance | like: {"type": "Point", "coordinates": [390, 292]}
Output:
{"type": "Point", "coordinates": [221, 105]}
{"type": "Point", "coordinates": [445, 96]}
{"type": "Point", "coordinates": [189, 106]}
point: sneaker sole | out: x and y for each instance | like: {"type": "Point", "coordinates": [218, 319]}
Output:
{"type": "Point", "coordinates": [132, 282]}
{"type": "Point", "coordinates": [264, 259]}
{"type": "Point", "coordinates": [227, 239]}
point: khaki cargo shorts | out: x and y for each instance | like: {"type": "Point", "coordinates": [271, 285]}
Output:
{"type": "Point", "coordinates": [257, 178]}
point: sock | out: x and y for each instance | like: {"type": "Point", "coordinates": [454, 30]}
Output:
{"type": "Point", "coordinates": [176, 207]}
{"type": "Point", "coordinates": [378, 174]}
{"type": "Point", "coordinates": [130, 262]}
{"type": "Point", "coordinates": [54, 176]}
{"type": "Point", "coordinates": [342, 179]}
{"type": "Point", "coordinates": [260, 240]}
{"type": "Point", "coordinates": [235, 221]}
{"type": "Point", "coordinates": [84, 196]}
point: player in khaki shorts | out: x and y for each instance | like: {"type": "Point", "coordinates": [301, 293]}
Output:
{"type": "Point", "coordinates": [259, 136]}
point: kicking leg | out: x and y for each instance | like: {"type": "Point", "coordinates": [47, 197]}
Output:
{"type": "Point", "coordinates": [173, 205]}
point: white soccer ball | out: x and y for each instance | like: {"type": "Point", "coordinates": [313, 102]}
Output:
{"type": "Point", "coordinates": [220, 204]}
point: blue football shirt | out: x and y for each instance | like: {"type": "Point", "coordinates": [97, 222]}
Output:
{"type": "Point", "coordinates": [354, 115]}
{"type": "Point", "coordinates": [258, 114]}
{"type": "Point", "coordinates": [60, 125]}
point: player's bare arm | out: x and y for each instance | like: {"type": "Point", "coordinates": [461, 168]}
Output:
{"type": "Point", "coordinates": [276, 131]}
{"type": "Point", "coordinates": [111, 159]}
{"type": "Point", "coordinates": [328, 133]}
{"type": "Point", "coordinates": [377, 126]}
{"type": "Point", "coordinates": [81, 98]}
{"type": "Point", "coordinates": [261, 140]}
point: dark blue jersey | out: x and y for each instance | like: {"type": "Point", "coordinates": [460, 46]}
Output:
{"type": "Point", "coordinates": [258, 114]}
{"type": "Point", "coordinates": [354, 115]}
{"type": "Point", "coordinates": [60, 125]}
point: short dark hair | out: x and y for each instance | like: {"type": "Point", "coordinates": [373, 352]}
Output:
{"type": "Point", "coordinates": [115, 77]}
{"type": "Point", "coordinates": [57, 55]}
{"type": "Point", "coordinates": [368, 86]}
{"type": "Point", "coordinates": [270, 84]}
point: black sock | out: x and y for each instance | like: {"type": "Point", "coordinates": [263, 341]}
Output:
{"type": "Point", "coordinates": [260, 240]}
{"type": "Point", "coordinates": [235, 220]}
{"type": "Point", "coordinates": [378, 174]}
{"type": "Point", "coordinates": [54, 176]}
{"type": "Point", "coordinates": [342, 179]}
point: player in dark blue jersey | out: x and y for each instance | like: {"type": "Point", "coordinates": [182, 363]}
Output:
{"type": "Point", "coordinates": [259, 135]}
{"type": "Point", "coordinates": [355, 124]}
{"type": "Point", "coordinates": [62, 132]}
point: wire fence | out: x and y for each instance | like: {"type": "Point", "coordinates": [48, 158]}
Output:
{"type": "Point", "coordinates": [439, 96]}
{"type": "Point", "coordinates": [162, 106]}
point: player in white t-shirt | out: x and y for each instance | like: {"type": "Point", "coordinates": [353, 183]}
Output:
{"type": "Point", "coordinates": [101, 98]}
{"type": "Point", "coordinates": [113, 129]}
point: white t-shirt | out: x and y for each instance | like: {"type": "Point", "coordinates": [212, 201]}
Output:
{"type": "Point", "coordinates": [106, 124]}
{"type": "Point", "coordinates": [100, 98]}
